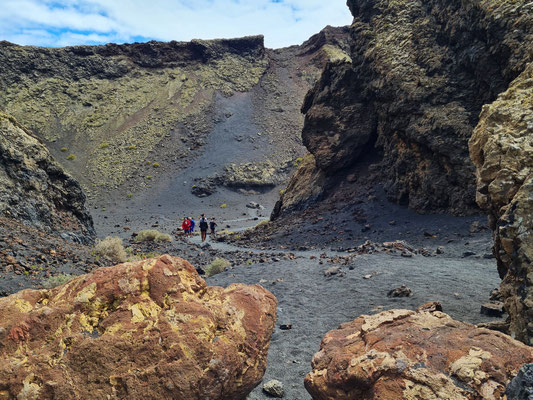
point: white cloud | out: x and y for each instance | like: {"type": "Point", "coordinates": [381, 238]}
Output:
{"type": "Point", "coordinates": [64, 22]}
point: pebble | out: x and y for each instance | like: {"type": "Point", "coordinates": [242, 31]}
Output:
{"type": "Point", "coordinates": [274, 388]}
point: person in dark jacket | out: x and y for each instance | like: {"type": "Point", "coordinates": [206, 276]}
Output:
{"type": "Point", "coordinates": [203, 227]}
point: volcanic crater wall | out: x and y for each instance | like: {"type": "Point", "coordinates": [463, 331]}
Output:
{"type": "Point", "coordinates": [419, 74]}
{"type": "Point", "coordinates": [119, 117]}
{"type": "Point", "coordinates": [34, 188]}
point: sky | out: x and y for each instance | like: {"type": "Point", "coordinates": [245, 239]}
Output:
{"type": "Point", "coordinates": [71, 22]}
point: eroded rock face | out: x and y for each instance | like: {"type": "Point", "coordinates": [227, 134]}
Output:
{"type": "Point", "coordinates": [150, 329]}
{"type": "Point", "coordinates": [35, 189]}
{"type": "Point", "coordinates": [502, 150]}
{"type": "Point", "coordinates": [402, 354]}
{"type": "Point", "coordinates": [420, 72]}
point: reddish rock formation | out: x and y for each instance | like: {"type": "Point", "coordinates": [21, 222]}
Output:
{"type": "Point", "coordinates": [502, 150]}
{"type": "Point", "coordinates": [402, 354]}
{"type": "Point", "coordinates": [150, 329]}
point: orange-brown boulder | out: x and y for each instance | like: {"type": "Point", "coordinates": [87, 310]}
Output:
{"type": "Point", "coordinates": [403, 354]}
{"type": "Point", "coordinates": [150, 329]}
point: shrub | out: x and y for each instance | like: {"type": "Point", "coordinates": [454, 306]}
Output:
{"type": "Point", "coordinates": [223, 205]}
{"type": "Point", "coordinates": [104, 145]}
{"type": "Point", "coordinates": [156, 165]}
{"type": "Point", "coordinates": [132, 147]}
{"type": "Point", "coordinates": [217, 266]}
{"type": "Point", "coordinates": [57, 280]}
{"type": "Point", "coordinates": [63, 149]}
{"type": "Point", "coordinates": [112, 248]}
{"type": "Point", "coordinates": [129, 195]}
{"type": "Point", "coordinates": [151, 235]}
{"type": "Point", "coordinates": [71, 157]}
{"type": "Point", "coordinates": [298, 161]}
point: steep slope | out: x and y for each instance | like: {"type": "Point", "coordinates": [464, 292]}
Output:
{"type": "Point", "coordinates": [120, 117]}
{"type": "Point", "coordinates": [418, 77]}
{"type": "Point", "coordinates": [35, 190]}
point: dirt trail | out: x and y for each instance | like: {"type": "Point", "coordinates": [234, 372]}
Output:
{"type": "Point", "coordinates": [314, 304]}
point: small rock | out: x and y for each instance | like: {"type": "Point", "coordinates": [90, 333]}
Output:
{"type": "Point", "coordinates": [496, 295]}
{"type": "Point", "coordinates": [332, 271]}
{"type": "Point", "coordinates": [493, 309]}
{"type": "Point", "coordinates": [285, 327]}
{"type": "Point", "coordinates": [468, 254]}
{"type": "Point", "coordinates": [476, 227]}
{"type": "Point", "coordinates": [402, 291]}
{"type": "Point", "coordinates": [392, 222]}
{"type": "Point", "coordinates": [432, 306]}
{"type": "Point", "coordinates": [351, 178]}
{"type": "Point", "coordinates": [368, 276]}
{"type": "Point", "coordinates": [440, 250]}
{"type": "Point", "coordinates": [274, 388]}
{"type": "Point", "coordinates": [366, 228]}
{"type": "Point", "coordinates": [521, 386]}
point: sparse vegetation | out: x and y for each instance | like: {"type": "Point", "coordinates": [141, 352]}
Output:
{"type": "Point", "coordinates": [152, 235]}
{"type": "Point", "coordinates": [71, 157]}
{"type": "Point", "coordinates": [132, 147]}
{"type": "Point", "coordinates": [129, 195]}
{"type": "Point", "coordinates": [224, 205]}
{"type": "Point", "coordinates": [261, 223]}
{"type": "Point", "coordinates": [112, 248]}
{"type": "Point", "coordinates": [63, 149]}
{"type": "Point", "coordinates": [141, 255]}
{"type": "Point", "coordinates": [217, 266]}
{"type": "Point", "coordinates": [298, 161]}
{"type": "Point", "coordinates": [56, 280]}
{"type": "Point", "coordinates": [104, 145]}
{"type": "Point", "coordinates": [156, 165]}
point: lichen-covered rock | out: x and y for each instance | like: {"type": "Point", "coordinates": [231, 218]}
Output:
{"type": "Point", "coordinates": [150, 329]}
{"type": "Point", "coordinates": [403, 354]}
{"type": "Point", "coordinates": [502, 150]}
{"type": "Point", "coordinates": [256, 174]}
{"type": "Point", "coordinates": [35, 189]}
{"type": "Point", "coordinates": [305, 187]}
{"type": "Point", "coordinates": [419, 74]}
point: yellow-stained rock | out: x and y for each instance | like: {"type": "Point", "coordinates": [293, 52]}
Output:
{"type": "Point", "coordinates": [402, 354]}
{"type": "Point", "coordinates": [150, 329]}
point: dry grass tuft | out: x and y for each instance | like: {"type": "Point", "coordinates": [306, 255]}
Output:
{"type": "Point", "coordinates": [112, 248]}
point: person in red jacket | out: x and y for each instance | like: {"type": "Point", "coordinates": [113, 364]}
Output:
{"type": "Point", "coordinates": [186, 226]}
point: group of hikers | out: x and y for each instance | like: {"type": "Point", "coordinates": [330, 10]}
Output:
{"type": "Point", "coordinates": [188, 225]}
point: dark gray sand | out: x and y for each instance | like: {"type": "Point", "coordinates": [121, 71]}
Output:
{"type": "Point", "coordinates": [315, 304]}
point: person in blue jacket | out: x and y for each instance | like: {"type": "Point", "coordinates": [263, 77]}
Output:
{"type": "Point", "coordinates": [192, 225]}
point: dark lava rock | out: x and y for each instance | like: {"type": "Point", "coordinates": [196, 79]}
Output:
{"type": "Point", "coordinates": [402, 291]}
{"type": "Point", "coordinates": [415, 102]}
{"type": "Point", "coordinates": [521, 387]}
{"type": "Point", "coordinates": [493, 309]}
{"type": "Point", "coordinates": [35, 189]}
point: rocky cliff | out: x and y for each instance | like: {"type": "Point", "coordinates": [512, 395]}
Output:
{"type": "Point", "coordinates": [411, 92]}
{"type": "Point", "coordinates": [35, 190]}
{"type": "Point", "coordinates": [502, 150]}
{"type": "Point", "coordinates": [120, 116]}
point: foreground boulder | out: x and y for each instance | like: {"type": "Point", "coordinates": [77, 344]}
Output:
{"type": "Point", "coordinates": [150, 329]}
{"type": "Point", "coordinates": [402, 354]}
{"type": "Point", "coordinates": [502, 150]}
